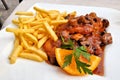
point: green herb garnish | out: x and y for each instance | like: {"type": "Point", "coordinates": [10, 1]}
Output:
{"type": "Point", "coordinates": [77, 52]}
{"type": "Point", "coordinates": [67, 45]}
{"type": "Point", "coordinates": [83, 66]}
{"type": "Point", "coordinates": [68, 60]}
{"type": "Point", "coordinates": [82, 51]}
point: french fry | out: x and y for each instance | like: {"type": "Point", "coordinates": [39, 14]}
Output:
{"type": "Point", "coordinates": [58, 17]}
{"type": "Point", "coordinates": [30, 42]}
{"type": "Point", "coordinates": [37, 26]}
{"type": "Point", "coordinates": [16, 44]}
{"type": "Point", "coordinates": [31, 37]}
{"type": "Point", "coordinates": [28, 26]}
{"type": "Point", "coordinates": [25, 27]}
{"type": "Point", "coordinates": [19, 30]}
{"type": "Point", "coordinates": [15, 53]}
{"type": "Point", "coordinates": [73, 13]}
{"type": "Point", "coordinates": [42, 41]}
{"type": "Point", "coordinates": [23, 18]}
{"type": "Point", "coordinates": [35, 23]}
{"type": "Point", "coordinates": [51, 32]}
{"type": "Point", "coordinates": [24, 13]}
{"type": "Point", "coordinates": [53, 27]}
{"type": "Point", "coordinates": [26, 51]}
{"type": "Point", "coordinates": [64, 14]}
{"type": "Point", "coordinates": [44, 15]}
{"type": "Point", "coordinates": [12, 30]}
{"type": "Point", "coordinates": [20, 25]}
{"type": "Point", "coordinates": [40, 16]}
{"type": "Point", "coordinates": [39, 36]}
{"type": "Point", "coordinates": [25, 44]}
{"type": "Point", "coordinates": [26, 31]}
{"type": "Point", "coordinates": [37, 17]}
{"type": "Point", "coordinates": [15, 22]}
{"type": "Point", "coordinates": [53, 14]}
{"type": "Point", "coordinates": [39, 52]}
{"type": "Point", "coordinates": [28, 21]}
{"type": "Point", "coordinates": [41, 20]}
{"type": "Point", "coordinates": [20, 19]}
{"type": "Point", "coordinates": [59, 21]}
{"type": "Point", "coordinates": [40, 10]}
{"type": "Point", "coordinates": [36, 33]}
{"type": "Point", "coordinates": [30, 56]}
{"type": "Point", "coordinates": [42, 30]}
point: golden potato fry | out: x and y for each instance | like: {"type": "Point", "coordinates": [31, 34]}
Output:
{"type": "Point", "coordinates": [40, 15]}
{"type": "Point", "coordinates": [53, 27]}
{"type": "Point", "coordinates": [24, 13]}
{"type": "Point", "coordinates": [28, 21]}
{"type": "Point", "coordinates": [35, 33]}
{"type": "Point", "coordinates": [44, 15]}
{"type": "Point", "coordinates": [40, 10]}
{"type": "Point", "coordinates": [48, 19]}
{"type": "Point", "coordinates": [20, 19]}
{"type": "Point", "coordinates": [25, 27]}
{"type": "Point", "coordinates": [73, 13]}
{"type": "Point", "coordinates": [25, 44]}
{"type": "Point", "coordinates": [64, 14]}
{"type": "Point", "coordinates": [41, 30]}
{"type": "Point", "coordinates": [11, 30]}
{"type": "Point", "coordinates": [59, 21]}
{"type": "Point", "coordinates": [19, 30]}
{"type": "Point", "coordinates": [24, 18]}
{"type": "Point", "coordinates": [15, 54]}
{"type": "Point", "coordinates": [26, 31]}
{"type": "Point", "coordinates": [31, 56]}
{"type": "Point", "coordinates": [51, 32]}
{"type": "Point", "coordinates": [37, 17]}
{"type": "Point", "coordinates": [15, 22]}
{"type": "Point", "coordinates": [31, 37]}
{"type": "Point", "coordinates": [37, 26]}
{"type": "Point", "coordinates": [28, 26]}
{"type": "Point", "coordinates": [20, 25]}
{"type": "Point", "coordinates": [35, 23]}
{"type": "Point", "coordinates": [16, 44]}
{"type": "Point", "coordinates": [16, 41]}
{"type": "Point", "coordinates": [58, 17]}
{"type": "Point", "coordinates": [39, 36]}
{"type": "Point", "coordinates": [53, 14]}
{"type": "Point", "coordinates": [39, 52]}
{"type": "Point", "coordinates": [26, 51]}
{"type": "Point", "coordinates": [42, 41]}
{"type": "Point", "coordinates": [43, 19]}
{"type": "Point", "coordinates": [30, 42]}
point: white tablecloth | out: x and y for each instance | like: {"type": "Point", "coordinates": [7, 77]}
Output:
{"type": "Point", "coordinates": [26, 4]}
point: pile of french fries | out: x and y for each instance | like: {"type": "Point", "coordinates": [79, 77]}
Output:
{"type": "Point", "coordinates": [33, 31]}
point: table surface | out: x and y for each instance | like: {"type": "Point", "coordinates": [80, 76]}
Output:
{"type": "Point", "coordinates": [99, 3]}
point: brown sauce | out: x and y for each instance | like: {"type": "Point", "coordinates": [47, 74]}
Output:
{"type": "Point", "coordinates": [100, 69]}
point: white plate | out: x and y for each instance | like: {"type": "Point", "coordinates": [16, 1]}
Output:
{"type": "Point", "coordinates": [30, 70]}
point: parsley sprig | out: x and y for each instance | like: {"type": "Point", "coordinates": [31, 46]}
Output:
{"type": "Point", "coordinates": [82, 51]}
{"type": "Point", "coordinates": [67, 45]}
{"type": "Point", "coordinates": [68, 60]}
{"type": "Point", "coordinates": [77, 52]}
